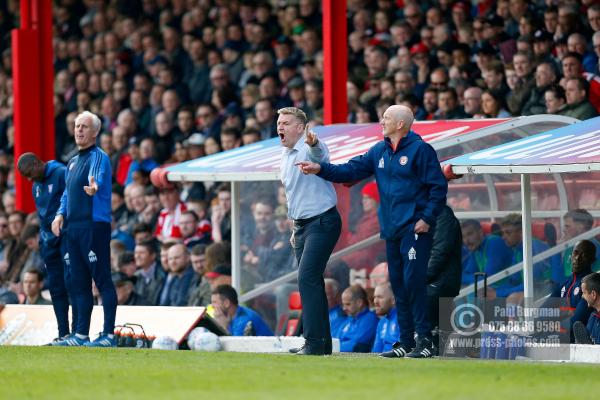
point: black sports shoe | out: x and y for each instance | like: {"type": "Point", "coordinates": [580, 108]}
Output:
{"type": "Point", "coordinates": [581, 334]}
{"type": "Point", "coordinates": [398, 351]}
{"type": "Point", "coordinates": [424, 349]}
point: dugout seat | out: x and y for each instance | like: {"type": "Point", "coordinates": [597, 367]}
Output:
{"type": "Point", "coordinates": [290, 324]}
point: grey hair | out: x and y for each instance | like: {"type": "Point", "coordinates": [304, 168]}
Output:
{"type": "Point", "coordinates": [96, 123]}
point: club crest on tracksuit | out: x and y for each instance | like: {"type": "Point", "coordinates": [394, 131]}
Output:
{"type": "Point", "coordinates": [380, 163]}
{"type": "Point", "coordinates": [403, 160]}
{"type": "Point", "coordinates": [67, 259]}
{"type": "Point", "coordinates": [576, 291]}
{"type": "Point", "coordinates": [92, 256]}
{"type": "Point", "coordinates": [50, 187]}
{"type": "Point", "coordinates": [412, 254]}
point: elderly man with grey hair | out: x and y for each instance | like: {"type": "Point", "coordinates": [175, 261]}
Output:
{"type": "Point", "coordinates": [85, 210]}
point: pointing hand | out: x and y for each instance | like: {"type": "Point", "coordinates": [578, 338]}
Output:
{"type": "Point", "coordinates": [92, 188]}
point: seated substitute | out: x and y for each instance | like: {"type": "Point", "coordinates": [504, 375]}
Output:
{"type": "Point", "coordinates": [388, 330]}
{"type": "Point", "coordinates": [591, 293]}
{"type": "Point", "coordinates": [357, 332]}
{"type": "Point", "coordinates": [242, 320]}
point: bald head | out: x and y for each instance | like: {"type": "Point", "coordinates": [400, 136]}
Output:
{"type": "Point", "coordinates": [397, 121]}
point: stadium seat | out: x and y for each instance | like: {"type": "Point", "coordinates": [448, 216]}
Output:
{"type": "Point", "coordinates": [290, 324]}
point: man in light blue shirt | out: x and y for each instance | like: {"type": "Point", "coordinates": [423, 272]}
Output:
{"type": "Point", "coordinates": [317, 225]}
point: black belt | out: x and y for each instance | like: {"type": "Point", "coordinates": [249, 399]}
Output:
{"type": "Point", "coordinates": [304, 221]}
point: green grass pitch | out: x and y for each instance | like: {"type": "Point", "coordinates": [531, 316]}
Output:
{"type": "Point", "coordinates": [76, 373]}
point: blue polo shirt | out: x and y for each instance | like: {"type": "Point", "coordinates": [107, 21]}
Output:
{"type": "Point", "coordinates": [336, 319]}
{"type": "Point", "coordinates": [357, 333]}
{"type": "Point", "coordinates": [242, 317]}
{"type": "Point", "coordinates": [388, 332]}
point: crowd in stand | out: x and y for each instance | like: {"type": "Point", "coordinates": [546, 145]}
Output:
{"type": "Point", "coordinates": [174, 80]}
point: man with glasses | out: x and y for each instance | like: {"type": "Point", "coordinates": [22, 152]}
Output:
{"type": "Point", "coordinates": [48, 186]}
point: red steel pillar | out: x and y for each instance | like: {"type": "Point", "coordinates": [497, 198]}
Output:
{"type": "Point", "coordinates": [335, 61]}
{"type": "Point", "coordinates": [33, 77]}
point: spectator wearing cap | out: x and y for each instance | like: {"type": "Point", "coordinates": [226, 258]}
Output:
{"type": "Point", "coordinates": [33, 283]}
{"type": "Point", "coordinates": [179, 277]}
{"type": "Point", "coordinates": [545, 76]}
{"type": "Point", "coordinates": [366, 227]}
{"type": "Point", "coordinates": [242, 321]}
{"type": "Point", "coordinates": [543, 43]}
{"type": "Point", "coordinates": [526, 82]}
{"type": "Point", "coordinates": [125, 287]}
{"type": "Point", "coordinates": [150, 277]}
{"type": "Point", "coordinates": [195, 145]}
{"type": "Point", "coordinates": [219, 275]}
{"type": "Point", "coordinates": [495, 34]}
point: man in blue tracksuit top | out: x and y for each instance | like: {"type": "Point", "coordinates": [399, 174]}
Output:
{"type": "Point", "coordinates": [582, 260]}
{"type": "Point", "coordinates": [387, 328]}
{"type": "Point", "coordinates": [591, 294]}
{"type": "Point", "coordinates": [357, 331]}
{"type": "Point", "coordinates": [242, 321]}
{"type": "Point", "coordinates": [413, 191]}
{"type": "Point", "coordinates": [48, 186]}
{"type": "Point", "coordinates": [86, 208]}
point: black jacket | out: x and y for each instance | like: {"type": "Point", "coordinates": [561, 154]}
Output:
{"type": "Point", "coordinates": [445, 264]}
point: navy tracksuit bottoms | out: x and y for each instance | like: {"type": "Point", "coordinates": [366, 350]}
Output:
{"type": "Point", "coordinates": [88, 250]}
{"type": "Point", "coordinates": [408, 258]}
